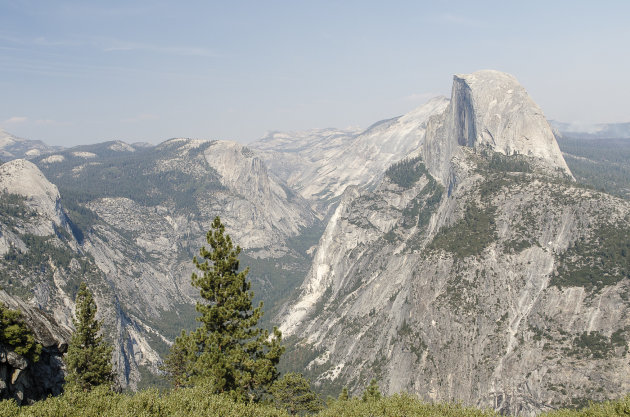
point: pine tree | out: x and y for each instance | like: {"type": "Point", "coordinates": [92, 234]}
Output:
{"type": "Point", "coordinates": [344, 396]}
{"type": "Point", "coordinates": [293, 393]}
{"type": "Point", "coordinates": [372, 392]}
{"type": "Point", "coordinates": [16, 335]}
{"type": "Point", "coordinates": [227, 351]}
{"type": "Point", "coordinates": [88, 358]}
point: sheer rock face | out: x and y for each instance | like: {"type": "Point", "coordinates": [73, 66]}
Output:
{"type": "Point", "coordinates": [23, 380]}
{"type": "Point", "coordinates": [490, 110]}
{"type": "Point", "coordinates": [321, 164]}
{"type": "Point", "coordinates": [466, 292]}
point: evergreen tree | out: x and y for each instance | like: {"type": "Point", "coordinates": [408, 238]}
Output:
{"type": "Point", "coordinates": [227, 351]}
{"type": "Point", "coordinates": [293, 393]}
{"type": "Point", "coordinates": [16, 336]}
{"type": "Point", "coordinates": [88, 358]}
{"type": "Point", "coordinates": [344, 394]}
{"type": "Point", "coordinates": [372, 392]}
{"type": "Point", "coordinates": [176, 364]}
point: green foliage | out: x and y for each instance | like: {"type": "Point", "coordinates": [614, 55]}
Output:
{"type": "Point", "coordinates": [15, 335]}
{"type": "Point", "coordinates": [131, 175]}
{"type": "Point", "coordinates": [187, 402]}
{"type": "Point", "coordinates": [400, 405]}
{"type": "Point", "coordinates": [618, 408]}
{"type": "Point", "coordinates": [41, 250]}
{"type": "Point", "coordinates": [88, 358]}
{"type": "Point", "coordinates": [292, 392]}
{"type": "Point", "coordinates": [227, 352]}
{"type": "Point", "coordinates": [603, 259]}
{"type": "Point", "coordinates": [470, 235]}
{"type": "Point", "coordinates": [406, 172]}
{"type": "Point", "coordinates": [197, 402]}
{"type": "Point", "coordinates": [81, 218]}
{"type": "Point", "coordinates": [372, 393]}
{"type": "Point", "coordinates": [178, 363]}
{"type": "Point", "coordinates": [419, 211]}
{"type": "Point", "coordinates": [12, 207]}
{"type": "Point", "coordinates": [593, 345]}
{"type": "Point", "coordinates": [499, 162]}
{"type": "Point", "coordinates": [344, 396]}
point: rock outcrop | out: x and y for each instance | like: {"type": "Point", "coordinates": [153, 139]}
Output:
{"type": "Point", "coordinates": [489, 110]}
{"type": "Point", "coordinates": [22, 177]}
{"type": "Point", "coordinates": [23, 380]}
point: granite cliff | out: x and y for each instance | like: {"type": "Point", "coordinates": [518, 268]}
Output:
{"type": "Point", "coordinates": [478, 271]}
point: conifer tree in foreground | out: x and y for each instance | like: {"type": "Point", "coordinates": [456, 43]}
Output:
{"type": "Point", "coordinates": [88, 357]}
{"type": "Point", "coordinates": [293, 393]}
{"type": "Point", "coordinates": [227, 352]}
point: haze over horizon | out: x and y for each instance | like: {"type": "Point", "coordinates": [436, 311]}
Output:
{"type": "Point", "coordinates": [77, 72]}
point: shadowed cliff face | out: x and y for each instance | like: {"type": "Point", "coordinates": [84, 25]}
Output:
{"type": "Point", "coordinates": [472, 273]}
{"type": "Point", "coordinates": [463, 113]}
{"type": "Point", "coordinates": [490, 110]}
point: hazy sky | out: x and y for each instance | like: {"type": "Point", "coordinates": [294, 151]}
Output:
{"type": "Point", "coordinates": [75, 72]}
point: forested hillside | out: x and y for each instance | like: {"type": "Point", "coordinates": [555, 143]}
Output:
{"type": "Point", "coordinates": [603, 164]}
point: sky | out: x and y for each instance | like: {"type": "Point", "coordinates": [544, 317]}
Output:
{"type": "Point", "coordinates": [79, 72]}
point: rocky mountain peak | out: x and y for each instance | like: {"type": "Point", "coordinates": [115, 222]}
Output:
{"type": "Point", "coordinates": [490, 110]}
{"type": "Point", "coordinates": [13, 147]}
{"type": "Point", "coordinates": [22, 177]}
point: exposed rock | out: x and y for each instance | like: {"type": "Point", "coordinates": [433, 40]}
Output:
{"type": "Point", "coordinates": [23, 380]}
{"type": "Point", "coordinates": [489, 110]}
{"type": "Point", "coordinates": [12, 147]}
{"type": "Point", "coordinates": [22, 177]}
{"type": "Point", "coordinates": [320, 164]}
{"type": "Point", "coordinates": [472, 292]}
{"type": "Point", "coordinates": [134, 249]}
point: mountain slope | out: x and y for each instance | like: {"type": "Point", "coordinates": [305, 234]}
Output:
{"type": "Point", "coordinates": [12, 147]}
{"type": "Point", "coordinates": [480, 272]}
{"type": "Point", "coordinates": [129, 219]}
{"type": "Point", "coordinates": [321, 164]}
{"type": "Point", "coordinates": [601, 163]}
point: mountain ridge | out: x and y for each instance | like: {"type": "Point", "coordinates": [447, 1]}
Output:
{"type": "Point", "coordinates": [454, 277]}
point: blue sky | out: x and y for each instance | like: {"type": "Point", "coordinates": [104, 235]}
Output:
{"type": "Point", "coordinates": [74, 72]}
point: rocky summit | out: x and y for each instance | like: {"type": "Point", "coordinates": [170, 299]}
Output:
{"type": "Point", "coordinates": [478, 271]}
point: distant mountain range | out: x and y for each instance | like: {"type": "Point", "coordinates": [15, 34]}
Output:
{"type": "Point", "coordinates": [596, 131]}
{"type": "Point", "coordinates": [12, 147]}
